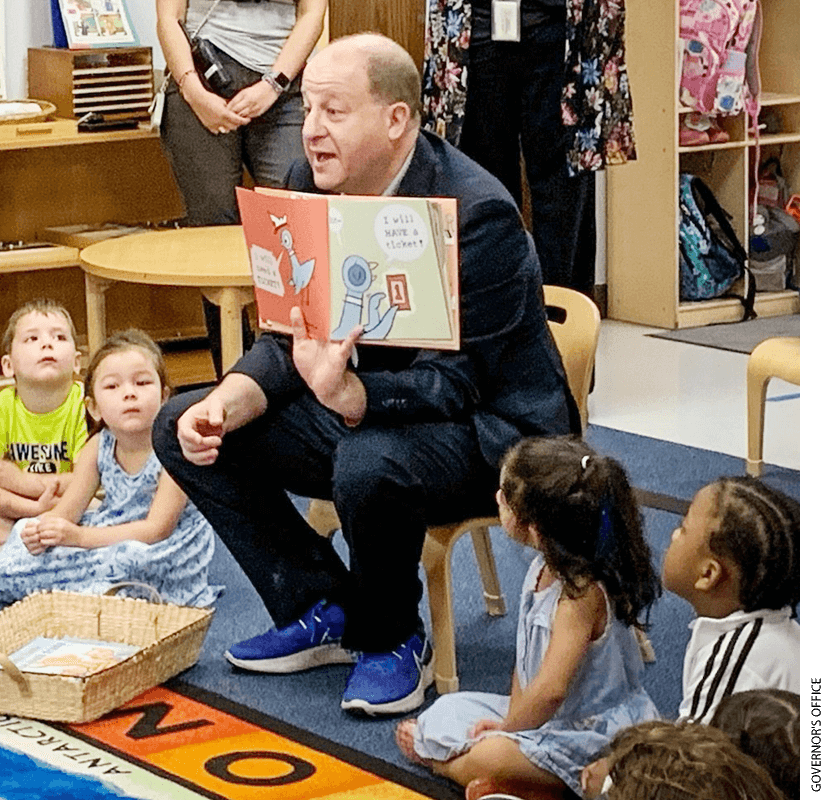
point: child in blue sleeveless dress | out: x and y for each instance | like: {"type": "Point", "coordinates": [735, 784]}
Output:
{"type": "Point", "coordinates": [145, 529]}
{"type": "Point", "coordinates": [578, 667]}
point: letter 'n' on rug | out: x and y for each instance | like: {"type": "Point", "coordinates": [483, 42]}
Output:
{"type": "Point", "coordinates": [177, 742]}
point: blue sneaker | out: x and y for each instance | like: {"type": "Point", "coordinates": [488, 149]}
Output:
{"type": "Point", "coordinates": [390, 683]}
{"type": "Point", "coordinates": [311, 641]}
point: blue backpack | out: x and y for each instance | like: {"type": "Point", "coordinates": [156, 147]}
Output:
{"type": "Point", "coordinates": [711, 256]}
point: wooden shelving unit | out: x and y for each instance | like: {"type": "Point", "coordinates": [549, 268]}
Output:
{"type": "Point", "coordinates": [54, 176]}
{"type": "Point", "coordinates": [116, 82]}
{"type": "Point", "coordinates": [642, 254]}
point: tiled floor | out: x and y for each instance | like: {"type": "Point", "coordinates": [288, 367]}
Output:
{"type": "Point", "coordinates": [688, 394]}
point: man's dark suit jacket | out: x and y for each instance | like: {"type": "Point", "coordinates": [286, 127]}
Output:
{"type": "Point", "coordinates": [508, 377]}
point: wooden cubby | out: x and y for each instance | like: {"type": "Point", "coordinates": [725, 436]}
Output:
{"type": "Point", "coordinates": [116, 82]}
{"type": "Point", "coordinates": [642, 196]}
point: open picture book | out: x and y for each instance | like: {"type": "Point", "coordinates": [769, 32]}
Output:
{"type": "Point", "coordinates": [389, 264]}
{"type": "Point", "coordinates": [70, 655]}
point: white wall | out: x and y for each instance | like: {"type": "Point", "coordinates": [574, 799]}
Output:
{"type": "Point", "coordinates": [29, 24]}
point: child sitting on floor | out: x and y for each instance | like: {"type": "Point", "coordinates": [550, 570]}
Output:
{"type": "Point", "coordinates": [765, 724]}
{"type": "Point", "coordinates": [735, 558]}
{"type": "Point", "coordinates": [684, 761]}
{"type": "Point", "coordinates": [578, 667]}
{"type": "Point", "coordinates": [146, 529]}
{"type": "Point", "coordinates": [42, 417]}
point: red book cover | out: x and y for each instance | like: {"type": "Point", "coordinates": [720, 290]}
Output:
{"type": "Point", "coordinates": [287, 240]}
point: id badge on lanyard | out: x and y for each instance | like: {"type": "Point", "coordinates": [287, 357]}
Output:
{"type": "Point", "coordinates": [506, 20]}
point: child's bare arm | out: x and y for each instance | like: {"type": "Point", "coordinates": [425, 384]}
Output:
{"type": "Point", "coordinates": [574, 627]}
{"type": "Point", "coordinates": [15, 506]}
{"type": "Point", "coordinates": [81, 489]}
{"type": "Point", "coordinates": [27, 485]}
{"type": "Point", "coordinates": [61, 520]}
{"type": "Point", "coordinates": [165, 510]}
{"type": "Point", "coordinates": [489, 724]}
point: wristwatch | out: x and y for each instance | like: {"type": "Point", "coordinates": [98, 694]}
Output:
{"type": "Point", "coordinates": [278, 81]}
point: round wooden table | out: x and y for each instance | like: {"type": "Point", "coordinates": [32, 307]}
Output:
{"type": "Point", "coordinates": [214, 259]}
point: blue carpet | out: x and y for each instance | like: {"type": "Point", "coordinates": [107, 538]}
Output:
{"type": "Point", "coordinates": [485, 645]}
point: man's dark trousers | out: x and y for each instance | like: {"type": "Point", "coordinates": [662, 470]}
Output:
{"type": "Point", "coordinates": [388, 483]}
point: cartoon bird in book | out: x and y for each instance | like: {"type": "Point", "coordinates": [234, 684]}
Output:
{"type": "Point", "coordinates": [300, 272]}
{"type": "Point", "coordinates": [357, 277]}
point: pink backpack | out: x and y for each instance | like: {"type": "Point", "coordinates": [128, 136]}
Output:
{"type": "Point", "coordinates": [720, 43]}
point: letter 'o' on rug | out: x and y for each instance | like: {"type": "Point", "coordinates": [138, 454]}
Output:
{"type": "Point", "coordinates": [740, 337]}
{"type": "Point", "coordinates": [177, 742]}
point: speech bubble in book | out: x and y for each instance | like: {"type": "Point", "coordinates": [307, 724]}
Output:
{"type": "Point", "coordinates": [401, 232]}
{"type": "Point", "coordinates": [336, 223]}
{"type": "Point", "coordinates": [266, 270]}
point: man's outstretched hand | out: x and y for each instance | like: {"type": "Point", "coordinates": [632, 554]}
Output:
{"type": "Point", "coordinates": [323, 365]}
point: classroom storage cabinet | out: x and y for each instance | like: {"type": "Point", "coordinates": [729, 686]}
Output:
{"type": "Point", "coordinates": [642, 196]}
{"type": "Point", "coordinates": [116, 82]}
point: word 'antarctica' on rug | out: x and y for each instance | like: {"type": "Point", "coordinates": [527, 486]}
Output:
{"type": "Point", "coordinates": [177, 742]}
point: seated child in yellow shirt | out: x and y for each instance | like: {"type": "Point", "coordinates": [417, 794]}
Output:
{"type": "Point", "coordinates": [42, 416]}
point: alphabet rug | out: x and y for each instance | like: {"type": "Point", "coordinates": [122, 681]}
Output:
{"type": "Point", "coordinates": [178, 742]}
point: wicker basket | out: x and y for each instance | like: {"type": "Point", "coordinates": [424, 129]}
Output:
{"type": "Point", "coordinates": [170, 638]}
{"type": "Point", "coordinates": [46, 110]}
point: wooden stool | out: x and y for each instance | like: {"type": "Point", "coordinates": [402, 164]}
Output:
{"type": "Point", "coordinates": [779, 357]}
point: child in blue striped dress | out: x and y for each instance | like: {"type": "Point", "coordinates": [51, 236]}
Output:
{"type": "Point", "coordinates": [145, 529]}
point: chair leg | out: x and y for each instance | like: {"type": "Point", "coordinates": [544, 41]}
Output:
{"type": "Point", "coordinates": [436, 558]}
{"type": "Point", "coordinates": [493, 598]}
{"type": "Point", "coordinates": [756, 393]}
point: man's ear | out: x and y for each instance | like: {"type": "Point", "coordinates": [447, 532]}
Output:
{"type": "Point", "coordinates": [399, 116]}
{"type": "Point", "coordinates": [8, 369]}
{"type": "Point", "coordinates": [712, 573]}
{"type": "Point", "coordinates": [89, 402]}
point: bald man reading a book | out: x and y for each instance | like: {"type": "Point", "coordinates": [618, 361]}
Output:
{"type": "Point", "coordinates": [398, 438]}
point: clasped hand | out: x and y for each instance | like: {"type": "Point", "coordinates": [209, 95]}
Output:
{"type": "Point", "coordinates": [484, 725]}
{"type": "Point", "coordinates": [48, 531]}
{"type": "Point", "coordinates": [222, 116]}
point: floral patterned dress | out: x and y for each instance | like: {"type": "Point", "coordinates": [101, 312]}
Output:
{"type": "Point", "coordinates": [596, 97]}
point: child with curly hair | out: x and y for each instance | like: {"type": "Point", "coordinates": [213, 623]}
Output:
{"type": "Point", "coordinates": [684, 761]}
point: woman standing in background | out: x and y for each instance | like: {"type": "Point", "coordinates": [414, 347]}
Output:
{"type": "Point", "coordinates": [254, 121]}
{"type": "Point", "coordinates": [544, 81]}
{"type": "Point", "coordinates": [257, 119]}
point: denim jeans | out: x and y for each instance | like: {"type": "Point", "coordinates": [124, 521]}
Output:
{"type": "Point", "coordinates": [513, 109]}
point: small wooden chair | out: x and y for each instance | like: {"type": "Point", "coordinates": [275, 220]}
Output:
{"type": "Point", "coordinates": [576, 337]}
{"type": "Point", "coordinates": [779, 357]}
